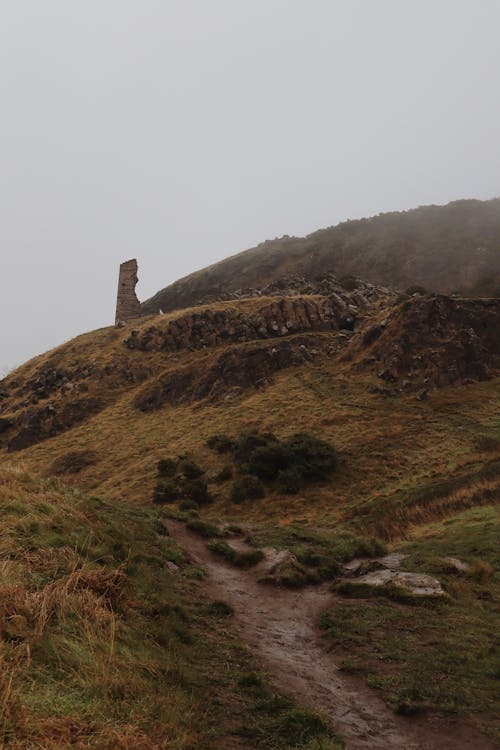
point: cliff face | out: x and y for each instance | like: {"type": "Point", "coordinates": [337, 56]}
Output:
{"type": "Point", "coordinates": [391, 344]}
{"type": "Point", "coordinates": [443, 248]}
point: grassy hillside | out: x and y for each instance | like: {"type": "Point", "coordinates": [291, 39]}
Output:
{"type": "Point", "coordinates": [443, 248]}
{"type": "Point", "coordinates": [108, 641]}
{"type": "Point", "coordinates": [409, 398]}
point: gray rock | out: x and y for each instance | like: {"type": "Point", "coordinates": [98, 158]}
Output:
{"type": "Point", "coordinates": [419, 584]}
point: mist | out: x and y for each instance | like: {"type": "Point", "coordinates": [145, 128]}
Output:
{"type": "Point", "coordinates": [179, 132]}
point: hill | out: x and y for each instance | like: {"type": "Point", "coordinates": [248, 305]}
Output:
{"type": "Point", "coordinates": [319, 423]}
{"type": "Point", "coordinates": [442, 248]}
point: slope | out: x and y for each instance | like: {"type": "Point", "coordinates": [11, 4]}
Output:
{"type": "Point", "coordinates": [442, 248]}
{"type": "Point", "coordinates": [406, 389]}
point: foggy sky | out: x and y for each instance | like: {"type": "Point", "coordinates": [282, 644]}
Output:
{"type": "Point", "coordinates": [182, 131]}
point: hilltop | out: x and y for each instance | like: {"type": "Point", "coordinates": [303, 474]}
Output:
{"type": "Point", "coordinates": [452, 248]}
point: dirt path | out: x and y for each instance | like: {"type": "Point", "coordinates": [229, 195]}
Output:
{"type": "Point", "coordinates": [279, 626]}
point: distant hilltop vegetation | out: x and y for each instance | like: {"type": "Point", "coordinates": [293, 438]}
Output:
{"type": "Point", "coordinates": [452, 248]}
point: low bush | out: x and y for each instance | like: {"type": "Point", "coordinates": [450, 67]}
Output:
{"type": "Point", "coordinates": [166, 491]}
{"type": "Point", "coordinates": [190, 469]}
{"type": "Point", "coordinates": [204, 528]}
{"type": "Point", "coordinates": [167, 467]}
{"type": "Point", "coordinates": [247, 488]}
{"type": "Point", "coordinates": [240, 559]}
{"type": "Point", "coordinates": [195, 490]}
{"type": "Point", "coordinates": [219, 609]}
{"type": "Point", "coordinates": [302, 457]}
{"type": "Point", "coordinates": [220, 443]}
{"type": "Point", "coordinates": [289, 481]}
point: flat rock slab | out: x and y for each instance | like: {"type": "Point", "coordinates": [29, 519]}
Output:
{"type": "Point", "coordinates": [419, 584]}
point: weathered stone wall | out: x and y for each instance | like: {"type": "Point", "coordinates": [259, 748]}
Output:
{"type": "Point", "coordinates": [208, 328]}
{"type": "Point", "coordinates": [127, 304]}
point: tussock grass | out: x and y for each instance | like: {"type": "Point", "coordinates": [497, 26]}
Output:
{"type": "Point", "coordinates": [100, 643]}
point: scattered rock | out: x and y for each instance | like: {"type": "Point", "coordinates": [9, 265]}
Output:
{"type": "Point", "coordinates": [419, 584]}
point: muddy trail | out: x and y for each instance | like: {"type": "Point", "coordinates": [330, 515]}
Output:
{"type": "Point", "coordinates": [279, 626]}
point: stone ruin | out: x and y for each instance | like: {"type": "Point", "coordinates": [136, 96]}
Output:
{"type": "Point", "coordinates": [127, 304]}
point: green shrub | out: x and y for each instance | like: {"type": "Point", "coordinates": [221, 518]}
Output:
{"type": "Point", "coordinates": [247, 488]}
{"type": "Point", "coordinates": [166, 491]}
{"type": "Point", "coordinates": [190, 469]}
{"type": "Point", "coordinates": [266, 461]}
{"type": "Point", "coordinates": [301, 457]}
{"type": "Point", "coordinates": [167, 467]}
{"type": "Point", "coordinates": [220, 443]}
{"type": "Point", "coordinates": [219, 609]}
{"type": "Point", "coordinates": [289, 481]}
{"type": "Point", "coordinates": [240, 559]}
{"type": "Point", "coordinates": [313, 458]}
{"type": "Point", "coordinates": [247, 442]}
{"type": "Point", "coordinates": [197, 490]}
{"type": "Point", "coordinates": [188, 505]}
{"type": "Point", "coordinates": [204, 528]}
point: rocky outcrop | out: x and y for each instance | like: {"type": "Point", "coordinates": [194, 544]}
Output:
{"type": "Point", "coordinates": [232, 325]}
{"type": "Point", "coordinates": [238, 369]}
{"type": "Point", "coordinates": [434, 341]}
{"type": "Point", "coordinates": [39, 423]}
{"type": "Point", "coordinates": [442, 248]}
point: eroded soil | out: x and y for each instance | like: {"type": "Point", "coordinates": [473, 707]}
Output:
{"type": "Point", "coordinates": [279, 626]}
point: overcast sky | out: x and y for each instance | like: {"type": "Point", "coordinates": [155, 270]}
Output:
{"type": "Point", "coordinates": [182, 131]}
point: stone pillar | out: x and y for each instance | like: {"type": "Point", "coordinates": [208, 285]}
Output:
{"type": "Point", "coordinates": [127, 304]}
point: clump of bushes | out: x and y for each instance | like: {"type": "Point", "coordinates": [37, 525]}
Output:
{"type": "Point", "coordinates": [188, 486]}
{"type": "Point", "coordinates": [190, 469]}
{"type": "Point", "coordinates": [299, 458]}
{"type": "Point", "coordinates": [262, 458]}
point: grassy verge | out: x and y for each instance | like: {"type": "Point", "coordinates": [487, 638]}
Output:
{"type": "Point", "coordinates": [104, 632]}
{"type": "Point", "coordinates": [439, 656]}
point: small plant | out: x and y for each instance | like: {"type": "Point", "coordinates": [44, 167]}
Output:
{"type": "Point", "coordinates": [166, 491]}
{"type": "Point", "coordinates": [219, 609]}
{"type": "Point", "coordinates": [167, 467]}
{"type": "Point", "coordinates": [221, 443]}
{"type": "Point", "coordinates": [247, 488]}
{"type": "Point", "coordinates": [187, 505]}
{"type": "Point", "coordinates": [196, 490]}
{"type": "Point", "coordinates": [289, 481]}
{"type": "Point", "coordinates": [240, 559]}
{"type": "Point", "coordinates": [203, 528]}
{"type": "Point", "coordinates": [190, 469]}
